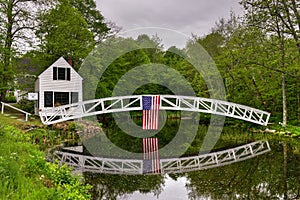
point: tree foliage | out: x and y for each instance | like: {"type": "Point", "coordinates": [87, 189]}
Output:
{"type": "Point", "coordinates": [16, 21]}
{"type": "Point", "coordinates": [64, 32]}
{"type": "Point", "coordinates": [257, 54]}
{"type": "Point", "coordinates": [267, 14]}
{"type": "Point", "coordinates": [92, 16]}
{"type": "Point", "coordinates": [258, 60]}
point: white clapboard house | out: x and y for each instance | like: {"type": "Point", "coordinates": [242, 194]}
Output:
{"type": "Point", "coordinates": [58, 85]}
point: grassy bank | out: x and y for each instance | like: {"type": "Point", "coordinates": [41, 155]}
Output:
{"type": "Point", "coordinates": [24, 172]}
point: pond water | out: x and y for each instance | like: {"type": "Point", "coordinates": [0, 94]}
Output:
{"type": "Point", "coordinates": [171, 189]}
{"type": "Point", "coordinates": [274, 175]}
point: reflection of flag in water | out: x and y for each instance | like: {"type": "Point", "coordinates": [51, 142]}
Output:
{"type": "Point", "coordinates": [151, 105]}
{"type": "Point", "coordinates": [151, 161]}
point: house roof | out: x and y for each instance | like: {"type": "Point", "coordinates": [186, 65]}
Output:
{"type": "Point", "coordinates": [61, 62]}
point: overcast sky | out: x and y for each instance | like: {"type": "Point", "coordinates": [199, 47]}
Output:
{"type": "Point", "coordinates": [183, 16]}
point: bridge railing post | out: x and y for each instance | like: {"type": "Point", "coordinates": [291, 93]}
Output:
{"type": "Point", "coordinates": [2, 108]}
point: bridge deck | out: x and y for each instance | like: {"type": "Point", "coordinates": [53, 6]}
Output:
{"type": "Point", "coordinates": [176, 165]}
{"type": "Point", "coordinates": [167, 102]}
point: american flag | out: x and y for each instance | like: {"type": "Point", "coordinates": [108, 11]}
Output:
{"type": "Point", "coordinates": [151, 105]}
{"type": "Point", "coordinates": [151, 161]}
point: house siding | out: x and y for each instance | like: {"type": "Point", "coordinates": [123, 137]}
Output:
{"type": "Point", "coordinates": [45, 82]}
{"type": "Point", "coordinates": [37, 90]}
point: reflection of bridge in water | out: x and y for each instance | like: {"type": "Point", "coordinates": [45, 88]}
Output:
{"type": "Point", "coordinates": [85, 163]}
{"type": "Point", "coordinates": [167, 102]}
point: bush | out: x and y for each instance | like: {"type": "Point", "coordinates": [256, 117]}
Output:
{"type": "Point", "coordinates": [10, 98]}
{"type": "Point", "coordinates": [67, 185]}
{"type": "Point", "coordinates": [26, 105]}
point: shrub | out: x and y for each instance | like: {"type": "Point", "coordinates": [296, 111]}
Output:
{"type": "Point", "coordinates": [10, 98]}
{"type": "Point", "coordinates": [68, 186]}
{"type": "Point", "coordinates": [26, 105]}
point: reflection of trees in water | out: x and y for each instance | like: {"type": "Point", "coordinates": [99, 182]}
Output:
{"type": "Point", "coordinates": [101, 145]}
{"type": "Point", "coordinates": [275, 175]}
{"type": "Point", "coordinates": [271, 176]}
{"type": "Point", "coordinates": [111, 186]}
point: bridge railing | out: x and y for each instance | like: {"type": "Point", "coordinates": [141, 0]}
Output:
{"type": "Point", "coordinates": [215, 159]}
{"type": "Point", "coordinates": [27, 114]}
{"type": "Point", "coordinates": [90, 108]}
{"type": "Point", "coordinates": [213, 106]}
{"type": "Point", "coordinates": [173, 165]}
{"type": "Point", "coordinates": [99, 165]}
{"type": "Point", "coordinates": [167, 102]}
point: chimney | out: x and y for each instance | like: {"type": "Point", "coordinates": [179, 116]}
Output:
{"type": "Point", "coordinates": [70, 61]}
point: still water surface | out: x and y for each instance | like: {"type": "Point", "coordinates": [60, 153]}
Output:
{"type": "Point", "coordinates": [172, 189]}
{"type": "Point", "coordinates": [274, 175]}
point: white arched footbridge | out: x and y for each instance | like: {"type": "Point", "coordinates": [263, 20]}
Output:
{"type": "Point", "coordinates": [167, 102]}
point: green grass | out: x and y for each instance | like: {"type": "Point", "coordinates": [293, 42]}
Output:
{"type": "Point", "coordinates": [288, 131]}
{"type": "Point", "coordinates": [33, 121]}
{"type": "Point", "coordinates": [25, 174]}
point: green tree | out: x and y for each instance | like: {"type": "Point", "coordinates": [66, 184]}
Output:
{"type": "Point", "coordinates": [267, 14]}
{"type": "Point", "coordinates": [280, 19]}
{"type": "Point", "coordinates": [118, 68]}
{"type": "Point", "coordinates": [155, 54]}
{"type": "Point", "coordinates": [16, 21]}
{"type": "Point", "coordinates": [245, 80]}
{"type": "Point", "coordinates": [214, 44]}
{"type": "Point", "coordinates": [108, 62]}
{"type": "Point", "coordinates": [92, 16]}
{"type": "Point", "coordinates": [64, 32]}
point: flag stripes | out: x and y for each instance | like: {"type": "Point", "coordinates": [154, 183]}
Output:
{"type": "Point", "coordinates": [151, 106]}
{"type": "Point", "coordinates": [151, 159]}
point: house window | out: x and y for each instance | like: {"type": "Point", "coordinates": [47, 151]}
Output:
{"type": "Point", "coordinates": [61, 98]}
{"type": "Point", "coordinates": [54, 73]}
{"type": "Point", "coordinates": [48, 99]}
{"type": "Point", "coordinates": [74, 97]}
{"type": "Point", "coordinates": [53, 99]}
{"type": "Point", "coordinates": [61, 73]}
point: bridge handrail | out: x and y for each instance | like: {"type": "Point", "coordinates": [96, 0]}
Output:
{"type": "Point", "coordinates": [17, 109]}
{"type": "Point", "coordinates": [168, 165]}
{"type": "Point", "coordinates": [215, 159]}
{"type": "Point", "coordinates": [184, 103]}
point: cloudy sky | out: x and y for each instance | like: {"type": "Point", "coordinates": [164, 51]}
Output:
{"type": "Point", "coordinates": [173, 17]}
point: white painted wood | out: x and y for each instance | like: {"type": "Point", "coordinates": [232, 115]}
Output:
{"type": "Point", "coordinates": [45, 82]}
{"type": "Point", "coordinates": [76, 148]}
{"type": "Point", "coordinates": [126, 103]}
{"type": "Point", "coordinates": [17, 109]}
